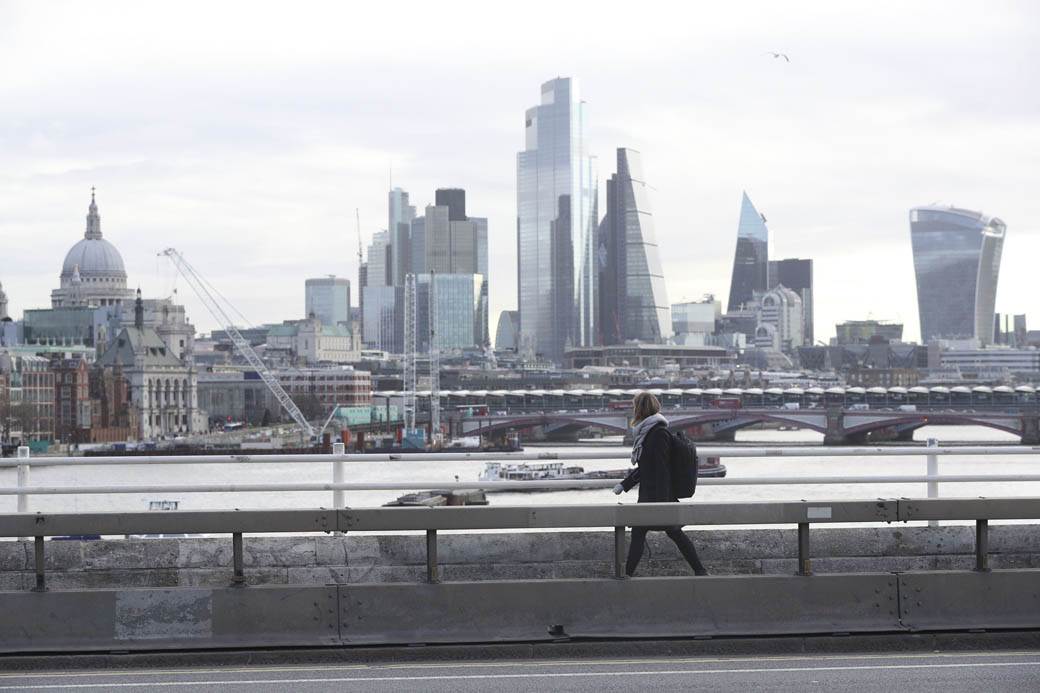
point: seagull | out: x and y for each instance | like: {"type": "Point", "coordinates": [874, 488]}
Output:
{"type": "Point", "coordinates": [778, 55]}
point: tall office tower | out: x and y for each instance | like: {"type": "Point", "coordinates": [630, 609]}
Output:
{"type": "Point", "coordinates": [957, 263]}
{"type": "Point", "coordinates": [379, 260]}
{"type": "Point", "coordinates": [796, 275]}
{"type": "Point", "coordinates": [752, 257]}
{"type": "Point", "coordinates": [633, 303]}
{"type": "Point", "coordinates": [362, 285]}
{"type": "Point", "coordinates": [556, 224]}
{"type": "Point", "coordinates": [328, 299]}
{"type": "Point", "coordinates": [399, 228]}
{"type": "Point", "coordinates": [455, 200]}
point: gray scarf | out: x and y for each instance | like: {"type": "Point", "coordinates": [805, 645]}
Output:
{"type": "Point", "coordinates": [639, 432]}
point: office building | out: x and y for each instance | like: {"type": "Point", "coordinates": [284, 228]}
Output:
{"type": "Point", "coordinates": [383, 318]}
{"type": "Point", "coordinates": [556, 224]}
{"type": "Point", "coordinates": [401, 214]}
{"type": "Point", "coordinates": [694, 322]}
{"type": "Point", "coordinates": [328, 299]}
{"type": "Point", "coordinates": [957, 264]}
{"type": "Point", "coordinates": [507, 335]}
{"type": "Point", "coordinates": [797, 275]}
{"type": "Point", "coordinates": [780, 319]}
{"type": "Point", "coordinates": [867, 331]}
{"type": "Point", "coordinates": [751, 260]}
{"type": "Point", "coordinates": [632, 301]}
{"type": "Point", "coordinates": [459, 311]}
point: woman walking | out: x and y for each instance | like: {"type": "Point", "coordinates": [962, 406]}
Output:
{"type": "Point", "coordinates": [651, 447]}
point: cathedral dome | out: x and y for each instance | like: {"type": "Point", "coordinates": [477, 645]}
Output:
{"type": "Point", "coordinates": [93, 273]}
{"type": "Point", "coordinates": [94, 257]}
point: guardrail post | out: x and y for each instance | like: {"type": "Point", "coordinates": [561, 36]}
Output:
{"type": "Point", "coordinates": [933, 471]}
{"type": "Point", "coordinates": [23, 478]}
{"type": "Point", "coordinates": [982, 546]}
{"type": "Point", "coordinates": [238, 579]}
{"type": "Point", "coordinates": [338, 472]}
{"type": "Point", "coordinates": [431, 557]}
{"type": "Point", "coordinates": [619, 552]}
{"type": "Point", "coordinates": [804, 562]}
{"type": "Point", "coordinates": [41, 580]}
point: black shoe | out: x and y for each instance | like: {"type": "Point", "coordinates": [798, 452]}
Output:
{"type": "Point", "coordinates": [700, 572]}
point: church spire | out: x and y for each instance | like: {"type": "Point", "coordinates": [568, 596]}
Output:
{"type": "Point", "coordinates": [139, 311]}
{"type": "Point", "coordinates": [93, 219]}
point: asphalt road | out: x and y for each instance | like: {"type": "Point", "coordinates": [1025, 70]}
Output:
{"type": "Point", "coordinates": [972, 671]}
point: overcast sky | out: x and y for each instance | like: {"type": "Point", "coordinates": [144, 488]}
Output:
{"type": "Point", "coordinates": [245, 134]}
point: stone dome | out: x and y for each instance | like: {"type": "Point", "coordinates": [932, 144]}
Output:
{"type": "Point", "coordinates": [95, 257]}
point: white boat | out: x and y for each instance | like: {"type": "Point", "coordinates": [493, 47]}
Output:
{"type": "Point", "coordinates": [546, 471]}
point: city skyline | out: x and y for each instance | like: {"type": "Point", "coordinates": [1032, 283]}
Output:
{"type": "Point", "coordinates": [274, 187]}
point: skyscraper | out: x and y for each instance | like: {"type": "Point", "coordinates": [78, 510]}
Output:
{"type": "Point", "coordinates": [328, 299]}
{"type": "Point", "coordinates": [957, 263]}
{"type": "Point", "coordinates": [556, 223]}
{"type": "Point", "coordinates": [399, 227]}
{"type": "Point", "coordinates": [632, 301]}
{"type": "Point", "coordinates": [751, 261]}
{"type": "Point", "coordinates": [796, 275]}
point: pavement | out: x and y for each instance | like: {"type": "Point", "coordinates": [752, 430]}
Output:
{"type": "Point", "coordinates": [987, 670]}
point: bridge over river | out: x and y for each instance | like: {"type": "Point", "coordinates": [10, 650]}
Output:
{"type": "Point", "coordinates": [838, 426]}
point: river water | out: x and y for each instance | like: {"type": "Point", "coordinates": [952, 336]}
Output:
{"type": "Point", "coordinates": [429, 474]}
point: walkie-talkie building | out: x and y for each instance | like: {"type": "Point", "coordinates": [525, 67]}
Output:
{"type": "Point", "coordinates": [556, 224]}
{"type": "Point", "coordinates": [957, 263]}
{"type": "Point", "coordinates": [751, 261]}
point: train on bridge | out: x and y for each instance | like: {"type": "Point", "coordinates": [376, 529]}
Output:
{"type": "Point", "coordinates": [499, 402]}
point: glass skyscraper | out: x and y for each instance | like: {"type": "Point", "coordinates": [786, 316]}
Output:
{"type": "Point", "coordinates": [751, 262]}
{"type": "Point", "coordinates": [328, 299]}
{"type": "Point", "coordinates": [632, 301]}
{"type": "Point", "coordinates": [957, 263]}
{"type": "Point", "coordinates": [556, 224]}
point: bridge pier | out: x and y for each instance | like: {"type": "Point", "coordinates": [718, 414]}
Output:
{"type": "Point", "coordinates": [1031, 430]}
{"type": "Point", "coordinates": [835, 433]}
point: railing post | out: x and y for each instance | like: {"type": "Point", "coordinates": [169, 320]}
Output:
{"type": "Point", "coordinates": [338, 472]}
{"type": "Point", "coordinates": [982, 546]}
{"type": "Point", "coordinates": [41, 580]}
{"type": "Point", "coordinates": [619, 552]}
{"type": "Point", "coordinates": [238, 579]}
{"type": "Point", "coordinates": [431, 557]}
{"type": "Point", "coordinates": [804, 561]}
{"type": "Point", "coordinates": [933, 471]}
{"type": "Point", "coordinates": [23, 478]}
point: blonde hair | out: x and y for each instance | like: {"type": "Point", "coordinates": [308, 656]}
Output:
{"type": "Point", "coordinates": [644, 405]}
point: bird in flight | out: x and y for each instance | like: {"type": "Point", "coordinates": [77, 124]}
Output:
{"type": "Point", "coordinates": [778, 55]}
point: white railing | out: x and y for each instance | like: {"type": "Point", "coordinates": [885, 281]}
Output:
{"type": "Point", "coordinates": [339, 461]}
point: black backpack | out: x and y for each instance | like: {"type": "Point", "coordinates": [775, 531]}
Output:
{"type": "Point", "coordinates": [683, 462]}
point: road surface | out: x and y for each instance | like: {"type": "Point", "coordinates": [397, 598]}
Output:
{"type": "Point", "coordinates": [884, 673]}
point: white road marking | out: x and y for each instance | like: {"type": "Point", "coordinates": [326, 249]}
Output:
{"type": "Point", "coordinates": [555, 674]}
{"type": "Point", "coordinates": [646, 661]}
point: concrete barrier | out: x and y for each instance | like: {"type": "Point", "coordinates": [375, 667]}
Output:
{"type": "Point", "coordinates": [648, 607]}
{"type": "Point", "coordinates": [181, 618]}
{"type": "Point", "coordinates": [967, 600]}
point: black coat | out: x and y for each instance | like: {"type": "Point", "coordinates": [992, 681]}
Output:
{"type": "Point", "coordinates": [653, 472]}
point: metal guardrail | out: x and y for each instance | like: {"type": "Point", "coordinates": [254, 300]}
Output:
{"type": "Point", "coordinates": [340, 459]}
{"type": "Point", "coordinates": [801, 513]}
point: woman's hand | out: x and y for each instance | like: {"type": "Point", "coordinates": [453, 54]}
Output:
{"type": "Point", "coordinates": [618, 490]}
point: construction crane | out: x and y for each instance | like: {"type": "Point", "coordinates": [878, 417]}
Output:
{"type": "Point", "coordinates": [216, 309]}
{"type": "Point", "coordinates": [435, 370]}
{"type": "Point", "coordinates": [360, 252]}
{"type": "Point", "coordinates": [409, 353]}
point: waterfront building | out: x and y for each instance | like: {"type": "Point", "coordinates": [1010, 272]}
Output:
{"type": "Point", "coordinates": [650, 356]}
{"type": "Point", "coordinates": [72, 418]}
{"type": "Point", "coordinates": [957, 265]}
{"type": "Point", "coordinates": [164, 388]}
{"type": "Point", "coordinates": [556, 224]}
{"type": "Point", "coordinates": [27, 400]}
{"type": "Point", "coordinates": [632, 300]}
{"type": "Point", "coordinates": [328, 299]}
{"type": "Point", "coordinates": [751, 260]}
{"type": "Point", "coordinates": [797, 275]}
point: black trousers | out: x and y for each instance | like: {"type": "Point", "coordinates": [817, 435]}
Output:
{"type": "Point", "coordinates": [635, 548]}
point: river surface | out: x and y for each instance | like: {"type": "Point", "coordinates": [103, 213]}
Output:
{"type": "Point", "coordinates": [429, 474]}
